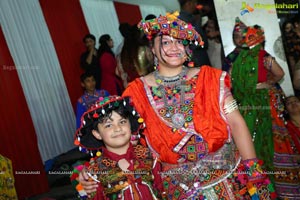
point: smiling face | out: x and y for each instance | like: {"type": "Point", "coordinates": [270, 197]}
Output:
{"type": "Point", "coordinates": [169, 51]}
{"type": "Point", "coordinates": [115, 132]}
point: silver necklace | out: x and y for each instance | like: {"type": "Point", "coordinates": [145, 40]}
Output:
{"type": "Point", "coordinates": [178, 82]}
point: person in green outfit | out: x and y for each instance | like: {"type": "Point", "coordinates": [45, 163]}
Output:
{"type": "Point", "coordinates": [255, 75]}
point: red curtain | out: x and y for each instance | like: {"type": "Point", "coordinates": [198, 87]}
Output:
{"type": "Point", "coordinates": [67, 27]}
{"type": "Point", "coordinates": [17, 135]}
{"type": "Point", "coordinates": [123, 10]}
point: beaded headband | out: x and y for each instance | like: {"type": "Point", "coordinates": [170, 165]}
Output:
{"type": "Point", "coordinates": [84, 138]}
{"type": "Point", "coordinates": [172, 26]}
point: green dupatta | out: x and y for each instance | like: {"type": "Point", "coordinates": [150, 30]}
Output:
{"type": "Point", "coordinates": [254, 104]}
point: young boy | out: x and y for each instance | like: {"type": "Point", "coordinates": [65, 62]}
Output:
{"type": "Point", "coordinates": [122, 170]}
{"type": "Point", "coordinates": [90, 95]}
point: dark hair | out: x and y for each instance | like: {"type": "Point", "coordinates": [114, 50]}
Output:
{"type": "Point", "coordinates": [120, 110]}
{"type": "Point", "coordinates": [124, 29]}
{"type": "Point", "coordinates": [125, 111]}
{"type": "Point", "coordinates": [86, 75]}
{"type": "Point", "coordinates": [286, 114]}
{"type": "Point", "coordinates": [286, 22]}
{"type": "Point", "coordinates": [103, 45]}
{"type": "Point", "coordinates": [89, 36]}
{"type": "Point", "coordinates": [216, 25]}
{"type": "Point", "coordinates": [183, 2]}
{"type": "Point", "coordinates": [129, 52]}
{"type": "Point", "coordinates": [150, 16]}
{"type": "Point", "coordinates": [99, 112]}
{"type": "Point", "coordinates": [296, 19]}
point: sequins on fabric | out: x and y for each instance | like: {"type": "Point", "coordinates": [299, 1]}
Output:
{"type": "Point", "coordinates": [115, 181]}
{"type": "Point", "coordinates": [195, 148]}
{"type": "Point", "coordinates": [173, 96]}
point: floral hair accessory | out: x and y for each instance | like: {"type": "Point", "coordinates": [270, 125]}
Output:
{"type": "Point", "coordinates": [172, 26]}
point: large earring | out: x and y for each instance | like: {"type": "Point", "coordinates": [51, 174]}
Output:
{"type": "Point", "coordinates": [188, 58]}
{"type": "Point", "coordinates": [155, 63]}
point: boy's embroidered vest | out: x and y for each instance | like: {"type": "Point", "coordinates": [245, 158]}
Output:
{"type": "Point", "coordinates": [114, 180]}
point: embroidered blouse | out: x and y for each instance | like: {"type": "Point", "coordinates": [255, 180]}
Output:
{"type": "Point", "coordinates": [204, 103]}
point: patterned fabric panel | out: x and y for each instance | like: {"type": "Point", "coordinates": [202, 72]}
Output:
{"type": "Point", "coordinates": [195, 148]}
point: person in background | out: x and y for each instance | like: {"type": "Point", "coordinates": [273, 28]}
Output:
{"type": "Point", "coordinates": [89, 60]}
{"type": "Point", "coordinates": [215, 48]}
{"type": "Point", "coordinates": [135, 58]}
{"type": "Point", "coordinates": [237, 37]}
{"type": "Point", "coordinates": [291, 167]}
{"type": "Point", "coordinates": [150, 16]}
{"type": "Point", "coordinates": [90, 96]}
{"type": "Point", "coordinates": [255, 75]}
{"type": "Point", "coordinates": [289, 38]}
{"type": "Point", "coordinates": [287, 34]}
{"type": "Point", "coordinates": [108, 64]}
{"type": "Point", "coordinates": [7, 180]}
{"type": "Point", "coordinates": [296, 79]}
{"type": "Point", "coordinates": [293, 44]}
{"type": "Point", "coordinates": [189, 14]}
{"type": "Point", "coordinates": [292, 107]}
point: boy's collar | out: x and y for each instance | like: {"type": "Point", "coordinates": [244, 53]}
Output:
{"type": "Point", "coordinates": [86, 93]}
{"type": "Point", "coordinates": [129, 155]}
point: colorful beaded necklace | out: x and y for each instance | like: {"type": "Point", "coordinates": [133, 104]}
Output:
{"type": "Point", "coordinates": [178, 83]}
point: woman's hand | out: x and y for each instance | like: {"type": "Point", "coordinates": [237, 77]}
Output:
{"type": "Point", "coordinates": [88, 185]}
{"type": "Point", "coordinates": [264, 85]}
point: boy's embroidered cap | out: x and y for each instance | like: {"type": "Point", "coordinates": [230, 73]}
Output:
{"type": "Point", "coordinates": [171, 25]}
{"type": "Point", "coordinates": [84, 138]}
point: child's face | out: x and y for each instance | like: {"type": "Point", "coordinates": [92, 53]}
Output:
{"type": "Point", "coordinates": [115, 132]}
{"type": "Point", "coordinates": [89, 84]}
